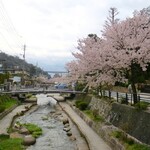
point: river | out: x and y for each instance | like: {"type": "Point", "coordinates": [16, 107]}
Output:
{"type": "Point", "coordinates": [53, 137]}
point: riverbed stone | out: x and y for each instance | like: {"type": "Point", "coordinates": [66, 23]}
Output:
{"type": "Point", "coordinates": [66, 125]}
{"type": "Point", "coordinates": [16, 135]}
{"type": "Point", "coordinates": [27, 107]}
{"type": "Point", "coordinates": [17, 126]}
{"type": "Point", "coordinates": [58, 113]}
{"type": "Point", "coordinates": [60, 118]}
{"type": "Point", "coordinates": [44, 118]}
{"type": "Point", "coordinates": [52, 111]}
{"type": "Point", "coordinates": [29, 140]}
{"type": "Point", "coordinates": [66, 129]}
{"type": "Point", "coordinates": [24, 131]}
{"type": "Point", "coordinates": [69, 133]}
{"type": "Point", "coordinates": [72, 138]}
{"type": "Point", "coordinates": [65, 120]}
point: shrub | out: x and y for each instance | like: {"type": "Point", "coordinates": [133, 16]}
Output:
{"type": "Point", "coordinates": [82, 105]}
{"type": "Point", "coordinates": [2, 108]}
{"type": "Point", "coordinates": [77, 103]}
{"type": "Point", "coordinates": [138, 147]}
{"type": "Point", "coordinates": [83, 101]}
{"type": "Point", "coordinates": [28, 95]}
{"type": "Point", "coordinates": [94, 116]}
{"type": "Point", "coordinates": [124, 100]}
{"type": "Point", "coordinates": [95, 112]}
{"type": "Point", "coordinates": [117, 134]}
{"type": "Point", "coordinates": [141, 105]}
{"type": "Point", "coordinates": [80, 86]}
{"type": "Point", "coordinates": [129, 143]}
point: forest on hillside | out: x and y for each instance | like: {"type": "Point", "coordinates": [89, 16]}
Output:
{"type": "Point", "coordinates": [14, 62]}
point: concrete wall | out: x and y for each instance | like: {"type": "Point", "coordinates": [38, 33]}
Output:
{"type": "Point", "coordinates": [132, 121]}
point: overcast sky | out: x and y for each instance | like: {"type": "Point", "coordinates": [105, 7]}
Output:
{"type": "Point", "coordinates": [50, 28]}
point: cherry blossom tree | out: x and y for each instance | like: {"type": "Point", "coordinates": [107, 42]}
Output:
{"type": "Point", "coordinates": [123, 49]}
{"type": "Point", "coordinates": [130, 41]}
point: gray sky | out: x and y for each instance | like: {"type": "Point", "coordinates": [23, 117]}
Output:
{"type": "Point", "coordinates": [50, 28]}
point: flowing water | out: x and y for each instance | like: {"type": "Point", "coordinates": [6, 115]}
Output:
{"type": "Point", "coordinates": [53, 137]}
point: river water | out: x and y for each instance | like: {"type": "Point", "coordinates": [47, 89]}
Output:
{"type": "Point", "coordinates": [53, 137]}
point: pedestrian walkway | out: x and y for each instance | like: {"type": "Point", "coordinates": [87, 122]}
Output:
{"type": "Point", "coordinates": [5, 122]}
{"type": "Point", "coordinates": [94, 140]}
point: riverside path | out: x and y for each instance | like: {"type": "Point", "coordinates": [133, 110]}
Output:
{"type": "Point", "coordinates": [93, 139]}
{"type": "Point", "coordinates": [5, 122]}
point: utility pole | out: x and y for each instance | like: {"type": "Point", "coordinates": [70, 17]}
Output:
{"type": "Point", "coordinates": [24, 55]}
{"type": "Point", "coordinates": [24, 50]}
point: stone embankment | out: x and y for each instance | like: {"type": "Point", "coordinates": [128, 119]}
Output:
{"type": "Point", "coordinates": [7, 119]}
{"type": "Point", "coordinates": [95, 142]}
{"type": "Point", "coordinates": [127, 118]}
{"type": "Point", "coordinates": [3, 114]}
{"type": "Point", "coordinates": [102, 131]}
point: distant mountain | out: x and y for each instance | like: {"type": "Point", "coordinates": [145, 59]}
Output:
{"type": "Point", "coordinates": [14, 62]}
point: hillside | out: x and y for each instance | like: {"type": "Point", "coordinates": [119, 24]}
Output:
{"type": "Point", "coordinates": [14, 62]}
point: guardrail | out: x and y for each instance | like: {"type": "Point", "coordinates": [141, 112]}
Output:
{"type": "Point", "coordinates": [127, 97]}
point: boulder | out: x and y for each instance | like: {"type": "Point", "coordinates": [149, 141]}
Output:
{"type": "Point", "coordinates": [58, 113]}
{"type": "Point", "coordinates": [69, 133]}
{"type": "Point", "coordinates": [72, 138]}
{"type": "Point", "coordinates": [65, 121]}
{"type": "Point", "coordinates": [16, 135]}
{"type": "Point", "coordinates": [29, 140]}
{"type": "Point", "coordinates": [17, 126]}
{"type": "Point", "coordinates": [44, 118]}
{"type": "Point", "coordinates": [66, 129]}
{"type": "Point", "coordinates": [53, 111]}
{"type": "Point", "coordinates": [66, 125]}
{"type": "Point", "coordinates": [27, 107]}
{"type": "Point", "coordinates": [24, 131]}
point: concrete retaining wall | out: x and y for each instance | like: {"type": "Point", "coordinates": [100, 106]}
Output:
{"type": "Point", "coordinates": [3, 114]}
{"type": "Point", "coordinates": [136, 123]}
{"type": "Point", "coordinates": [103, 130]}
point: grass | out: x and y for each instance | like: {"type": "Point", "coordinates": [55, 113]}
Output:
{"type": "Point", "coordinates": [3, 137]}
{"type": "Point", "coordinates": [138, 147]}
{"type": "Point", "coordinates": [33, 129]}
{"type": "Point", "coordinates": [9, 103]}
{"type": "Point", "coordinates": [91, 115]}
{"type": "Point", "coordinates": [6, 102]}
{"type": "Point", "coordinates": [128, 142]}
{"type": "Point", "coordinates": [7, 143]}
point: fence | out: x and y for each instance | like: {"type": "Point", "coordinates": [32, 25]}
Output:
{"type": "Point", "coordinates": [126, 97]}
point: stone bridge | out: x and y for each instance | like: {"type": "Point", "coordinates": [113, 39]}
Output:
{"type": "Point", "coordinates": [20, 94]}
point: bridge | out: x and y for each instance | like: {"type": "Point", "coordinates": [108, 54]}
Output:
{"type": "Point", "coordinates": [26, 91]}
{"type": "Point", "coordinates": [52, 71]}
{"type": "Point", "coordinates": [60, 72]}
{"type": "Point", "coordinates": [20, 94]}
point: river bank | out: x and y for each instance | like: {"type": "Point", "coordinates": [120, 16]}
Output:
{"type": "Point", "coordinates": [51, 119]}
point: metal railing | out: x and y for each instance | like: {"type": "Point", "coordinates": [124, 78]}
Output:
{"type": "Point", "coordinates": [127, 97]}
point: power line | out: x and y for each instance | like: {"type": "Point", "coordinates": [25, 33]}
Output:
{"type": "Point", "coordinates": [8, 26]}
{"type": "Point", "coordinates": [9, 21]}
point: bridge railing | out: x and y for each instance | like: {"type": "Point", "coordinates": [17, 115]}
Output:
{"type": "Point", "coordinates": [40, 91]}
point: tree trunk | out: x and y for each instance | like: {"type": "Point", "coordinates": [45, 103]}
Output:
{"type": "Point", "coordinates": [133, 81]}
{"type": "Point", "coordinates": [134, 93]}
{"type": "Point", "coordinates": [86, 87]}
